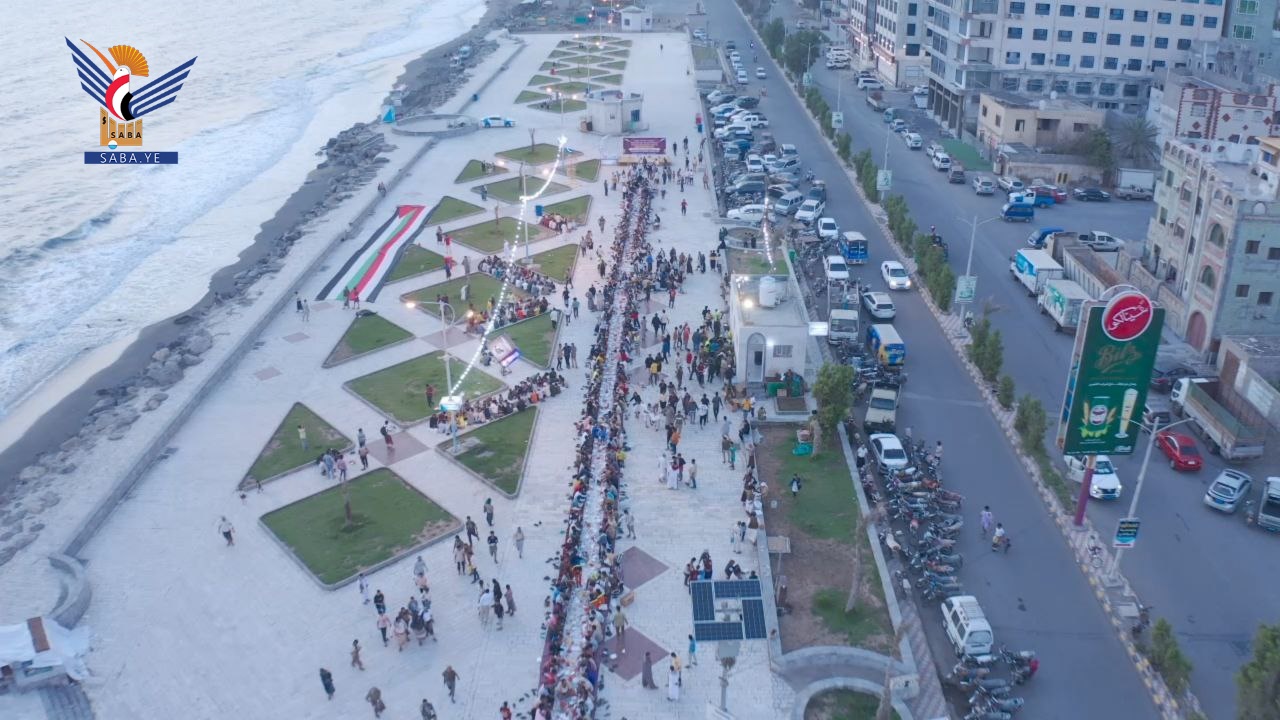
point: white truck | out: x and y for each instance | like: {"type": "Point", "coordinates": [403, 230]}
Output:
{"type": "Point", "coordinates": [843, 325]}
{"type": "Point", "coordinates": [1034, 268]}
{"type": "Point", "coordinates": [1062, 300]}
{"type": "Point", "coordinates": [1135, 178]}
{"type": "Point", "coordinates": [1268, 517]}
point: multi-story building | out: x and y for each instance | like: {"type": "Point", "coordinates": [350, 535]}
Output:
{"type": "Point", "coordinates": [861, 28]}
{"type": "Point", "coordinates": [1005, 119]}
{"type": "Point", "coordinates": [1213, 249]}
{"type": "Point", "coordinates": [1213, 112]}
{"type": "Point", "coordinates": [897, 55]}
{"type": "Point", "coordinates": [1103, 55]}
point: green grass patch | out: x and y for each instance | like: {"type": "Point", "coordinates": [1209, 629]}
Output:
{"type": "Point", "coordinates": [620, 53]}
{"type": "Point", "coordinates": [542, 80]}
{"type": "Point", "coordinates": [367, 333]}
{"type": "Point", "coordinates": [389, 516]}
{"type": "Point", "coordinates": [496, 451]}
{"type": "Point", "coordinates": [511, 189]}
{"type": "Point", "coordinates": [534, 337]}
{"type": "Point", "coordinates": [825, 509]}
{"type": "Point", "coordinates": [528, 96]}
{"type": "Point", "coordinates": [966, 154]}
{"type": "Point", "coordinates": [573, 88]}
{"type": "Point", "coordinates": [589, 59]}
{"type": "Point", "coordinates": [857, 625]}
{"type": "Point", "coordinates": [451, 208]}
{"type": "Point", "coordinates": [841, 704]}
{"type": "Point", "coordinates": [474, 169]}
{"type": "Point", "coordinates": [489, 237]}
{"type": "Point", "coordinates": [706, 56]}
{"type": "Point", "coordinates": [619, 41]}
{"type": "Point", "coordinates": [284, 452]}
{"type": "Point", "coordinates": [559, 54]}
{"type": "Point", "coordinates": [614, 79]}
{"type": "Point", "coordinates": [576, 208]}
{"type": "Point", "coordinates": [555, 263]}
{"type": "Point", "coordinates": [588, 170]}
{"type": "Point", "coordinates": [537, 155]}
{"type": "Point", "coordinates": [415, 260]}
{"type": "Point", "coordinates": [553, 65]}
{"type": "Point", "coordinates": [483, 287]}
{"type": "Point", "coordinates": [581, 72]}
{"type": "Point", "coordinates": [572, 45]}
{"type": "Point", "coordinates": [400, 390]}
{"type": "Point", "coordinates": [615, 65]}
{"type": "Point", "coordinates": [560, 106]}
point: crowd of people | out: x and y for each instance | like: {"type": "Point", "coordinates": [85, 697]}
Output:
{"type": "Point", "coordinates": [521, 276]}
{"type": "Point", "coordinates": [526, 393]}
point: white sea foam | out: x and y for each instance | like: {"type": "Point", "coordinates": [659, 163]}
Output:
{"type": "Point", "coordinates": [93, 254]}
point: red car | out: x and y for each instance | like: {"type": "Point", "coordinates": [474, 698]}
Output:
{"type": "Point", "coordinates": [1180, 449]}
{"type": "Point", "coordinates": [1058, 194]}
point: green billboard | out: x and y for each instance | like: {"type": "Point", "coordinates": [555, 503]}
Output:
{"type": "Point", "coordinates": [1111, 365]}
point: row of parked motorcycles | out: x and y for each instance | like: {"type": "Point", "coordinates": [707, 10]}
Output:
{"type": "Point", "coordinates": [929, 519]}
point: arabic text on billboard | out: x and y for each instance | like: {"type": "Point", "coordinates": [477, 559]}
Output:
{"type": "Point", "coordinates": [644, 146]}
{"type": "Point", "coordinates": [1110, 372]}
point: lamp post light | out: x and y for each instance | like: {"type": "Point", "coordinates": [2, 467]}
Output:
{"type": "Point", "coordinates": [973, 239]}
{"type": "Point", "coordinates": [450, 403]}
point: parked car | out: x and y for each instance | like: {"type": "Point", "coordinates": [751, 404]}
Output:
{"type": "Point", "coordinates": [895, 275]}
{"type": "Point", "coordinates": [700, 34]}
{"type": "Point", "coordinates": [494, 121]}
{"type": "Point", "coordinates": [983, 185]}
{"type": "Point", "coordinates": [1133, 192]}
{"type": "Point", "coordinates": [755, 164]}
{"type": "Point", "coordinates": [941, 161]}
{"type": "Point", "coordinates": [828, 229]}
{"type": "Point", "coordinates": [913, 140]}
{"type": "Point", "coordinates": [869, 83]}
{"type": "Point", "coordinates": [760, 73]}
{"type": "Point", "coordinates": [779, 189]}
{"type": "Point", "coordinates": [747, 102]}
{"type": "Point", "coordinates": [1227, 490]}
{"type": "Point", "coordinates": [1091, 194]}
{"type": "Point", "coordinates": [920, 91]}
{"type": "Point", "coordinates": [879, 305]}
{"type": "Point", "coordinates": [742, 76]}
{"type": "Point", "coordinates": [1010, 183]}
{"type": "Point", "coordinates": [1163, 377]}
{"type": "Point", "coordinates": [785, 176]}
{"type": "Point", "coordinates": [783, 165]}
{"type": "Point", "coordinates": [1053, 191]}
{"type": "Point", "coordinates": [898, 125]}
{"type": "Point", "coordinates": [932, 149]}
{"type": "Point", "coordinates": [837, 269]}
{"type": "Point", "coordinates": [1105, 484]}
{"type": "Point", "coordinates": [1180, 449]}
{"type": "Point", "coordinates": [753, 213]}
{"type": "Point", "coordinates": [788, 150]}
{"type": "Point", "coordinates": [818, 191]}
{"type": "Point", "coordinates": [888, 451]}
{"type": "Point", "coordinates": [1101, 242]}
{"type": "Point", "coordinates": [810, 210]}
{"type": "Point", "coordinates": [715, 97]}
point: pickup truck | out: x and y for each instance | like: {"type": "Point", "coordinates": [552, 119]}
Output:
{"type": "Point", "coordinates": [1062, 300]}
{"type": "Point", "coordinates": [876, 101]}
{"type": "Point", "coordinates": [1229, 425]}
{"type": "Point", "coordinates": [882, 410]}
{"type": "Point", "coordinates": [1133, 192]}
{"type": "Point", "coordinates": [1268, 517]}
{"type": "Point", "coordinates": [1034, 268]}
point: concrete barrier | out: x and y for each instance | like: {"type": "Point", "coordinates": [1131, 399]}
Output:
{"type": "Point", "coordinates": [806, 695]}
{"type": "Point", "coordinates": [73, 600]}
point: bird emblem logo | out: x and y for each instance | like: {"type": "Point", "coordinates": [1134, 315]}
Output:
{"type": "Point", "coordinates": [123, 106]}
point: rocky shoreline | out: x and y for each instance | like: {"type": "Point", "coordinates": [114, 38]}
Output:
{"type": "Point", "coordinates": [107, 406]}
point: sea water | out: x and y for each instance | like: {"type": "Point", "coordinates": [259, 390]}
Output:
{"type": "Point", "coordinates": [91, 254]}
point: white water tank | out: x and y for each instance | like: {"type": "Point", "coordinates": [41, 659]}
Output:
{"type": "Point", "coordinates": [770, 291]}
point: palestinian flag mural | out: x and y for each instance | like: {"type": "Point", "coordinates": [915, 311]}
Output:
{"type": "Point", "coordinates": [368, 266]}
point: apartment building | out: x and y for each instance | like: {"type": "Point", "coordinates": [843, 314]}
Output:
{"type": "Point", "coordinates": [1213, 250]}
{"type": "Point", "coordinates": [861, 28]}
{"type": "Point", "coordinates": [1005, 119]}
{"type": "Point", "coordinates": [1213, 112]}
{"type": "Point", "coordinates": [1102, 55]}
{"type": "Point", "coordinates": [897, 53]}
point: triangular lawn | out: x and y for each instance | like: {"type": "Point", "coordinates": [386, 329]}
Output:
{"type": "Point", "coordinates": [368, 332]}
{"type": "Point", "coordinates": [496, 451]}
{"type": "Point", "coordinates": [284, 453]}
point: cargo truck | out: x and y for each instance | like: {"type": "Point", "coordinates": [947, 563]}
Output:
{"type": "Point", "coordinates": [1229, 425]}
{"type": "Point", "coordinates": [1033, 268]}
{"type": "Point", "coordinates": [1268, 517]}
{"type": "Point", "coordinates": [1062, 300]}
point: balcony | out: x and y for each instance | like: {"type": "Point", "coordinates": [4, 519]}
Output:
{"type": "Point", "coordinates": [981, 7]}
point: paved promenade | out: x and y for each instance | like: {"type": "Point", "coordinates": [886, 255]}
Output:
{"type": "Point", "coordinates": [186, 627]}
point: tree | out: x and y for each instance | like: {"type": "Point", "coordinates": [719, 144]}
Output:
{"type": "Point", "coordinates": [1167, 658]}
{"type": "Point", "coordinates": [989, 356]}
{"type": "Point", "coordinates": [1030, 422]}
{"type": "Point", "coordinates": [1096, 148]}
{"type": "Point", "coordinates": [1258, 682]}
{"type": "Point", "coordinates": [1136, 141]}
{"type": "Point", "coordinates": [834, 392]}
{"type": "Point", "coordinates": [801, 48]}
{"type": "Point", "coordinates": [774, 34]}
{"type": "Point", "coordinates": [1006, 392]}
{"type": "Point", "coordinates": [843, 146]}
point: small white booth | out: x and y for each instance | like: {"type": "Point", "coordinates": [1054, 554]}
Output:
{"type": "Point", "coordinates": [635, 19]}
{"type": "Point", "coordinates": [613, 112]}
{"type": "Point", "coordinates": [770, 332]}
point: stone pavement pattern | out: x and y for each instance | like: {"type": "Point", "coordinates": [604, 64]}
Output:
{"type": "Point", "coordinates": [187, 627]}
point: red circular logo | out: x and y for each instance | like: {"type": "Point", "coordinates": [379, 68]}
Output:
{"type": "Point", "coordinates": [1127, 316]}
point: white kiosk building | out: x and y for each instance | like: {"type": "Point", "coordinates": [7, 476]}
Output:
{"type": "Point", "coordinates": [770, 329]}
{"type": "Point", "coordinates": [613, 112]}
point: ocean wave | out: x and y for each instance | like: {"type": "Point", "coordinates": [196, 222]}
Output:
{"type": "Point", "coordinates": [82, 231]}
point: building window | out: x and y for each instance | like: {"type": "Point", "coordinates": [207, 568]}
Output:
{"type": "Point", "coordinates": [1252, 246]}
{"type": "Point", "coordinates": [1010, 83]}
{"type": "Point", "coordinates": [1247, 7]}
{"type": "Point", "coordinates": [1131, 89]}
{"type": "Point", "coordinates": [1017, 8]}
{"type": "Point", "coordinates": [1168, 178]}
{"type": "Point", "coordinates": [1089, 37]}
{"type": "Point", "coordinates": [1272, 253]}
{"type": "Point", "coordinates": [1064, 36]}
{"type": "Point", "coordinates": [1216, 236]}
{"type": "Point", "coordinates": [1013, 57]}
{"type": "Point", "coordinates": [1060, 87]}
{"type": "Point", "coordinates": [1110, 63]}
{"type": "Point", "coordinates": [1019, 125]}
{"type": "Point", "coordinates": [1140, 16]}
{"type": "Point", "coordinates": [912, 9]}
{"type": "Point", "coordinates": [1184, 43]}
{"type": "Point", "coordinates": [1242, 32]}
{"type": "Point", "coordinates": [1207, 277]}
{"type": "Point", "coordinates": [1042, 8]}
{"type": "Point", "coordinates": [1113, 38]}
{"type": "Point", "coordinates": [1092, 11]}
{"type": "Point", "coordinates": [1035, 85]}
{"type": "Point", "coordinates": [1264, 297]}
{"type": "Point", "coordinates": [1137, 40]}
{"type": "Point", "coordinates": [1210, 21]}
{"type": "Point", "coordinates": [1163, 215]}
{"type": "Point", "coordinates": [1134, 64]}
{"type": "Point", "coordinates": [1199, 110]}
{"type": "Point", "coordinates": [1013, 33]}
{"type": "Point", "coordinates": [1161, 43]}
{"type": "Point", "coordinates": [1067, 10]}
{"type": "Point", "coordinates": [1116, 14]}
{"type": "Point", "coordinates": [782, 351]}
{"type": "Point", "coordinates": [1164, 18]}
{"type": "Point", "coordinates": [1082, 88]}
{"type": "Point", "coordinates": [1062, 60]}
{"type": "Point", "coordinates": [1187, 20]}
{"type": "Point", "coordinates": [999, 118]}
{"type": "Point", "coordinates": [1086, 61]}
{"type": "Point", "coordinates": [1242, 291]}
{"type": "Point", "coordinates": [1040, 34]}
{"type": "Point", "coordinates": [1037, 58]}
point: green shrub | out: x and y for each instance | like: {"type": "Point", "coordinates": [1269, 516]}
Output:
{"type": "Point", "coordinates": [1006, 392]}
{"type": "Point", "coordinates": [1168, 659]}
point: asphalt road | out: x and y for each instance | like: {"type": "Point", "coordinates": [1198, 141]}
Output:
{"type": "Point", "coordinates": [1035, 596]}
{"type": "Point", "coordinates": [1187, 554]}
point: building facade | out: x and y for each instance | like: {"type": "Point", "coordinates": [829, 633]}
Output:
{"type": "Point", "coordinates": [1216, 113]}
{"type": "Point", "coordinates": [1103, 55]}
{"type": "Point", "coordinates": [897, 53]}
{"type": "Point", "coordinates": [1006, 119]}
{"type": "Point", "coordinates": [1213, 250]}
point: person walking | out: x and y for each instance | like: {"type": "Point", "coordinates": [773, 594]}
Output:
{"type": "Point", "coordinates": [374, 697]}
{"type": "Point", "coordinates": [228, 530]}
{"type": "Point", "coordinates": [631, 523]}
{"type": "Point", "coordinates": [673, 684]}
{"type": "Point", "coordinates": [302, 438]}
{"type": "Point", "coordinates": [431, 395]}
{"type": "Point", "coordinates": [356, 662]}
{"type": "Point", "coordinates": [341, 464]}
{"type": "Point", "coordinates": [363, 584]}
{"type": "Point", "coordinates": [428, 710]}
{"type": "Point", "coordinates": [386, 436]}
{"type": "Point", "coordinates": [518, 539]}
{"type": "Point", "coordinates": [985, 518]}
{"type": "Point", "coordinates": [484, 604]}
{"type": "Point", "coordinates": [493, 545]}
{"type": "Point", "coordinates": [450, 681]}
{"type": "Point", "coordinates": [306, 311]}
{"type": "Point", "coordinates": [733, 540]}
{"type": "Point", "coordinates": [459, 555]}
{"type": "Point", "coordinates": [693, 652]}
{"type": "Point", "coordinates": [384, 623]}
{"type": "Point", "coordinates": [326, 682]}
{"type": "Point", "coordinates": [361, 440]}
{"type": "Point", "coordinates": [498, 610]}
{"type": "Point", "coordinates": [364, 457]}
{"type": "Point", "coordinates": [620, 628]}
{"type": "Point", "coordinates": [488, 511]}
{"type": "Point", "coordinates": [693, 473]}
{"type": "Point", "coordinates": [646, 673]}
{"type": "Point", "coordinates": [380, 602]}
{"type": "Point", "coordinates": [795, 485]}
{"type": "Point", "coordinates": [511, 600]}
{"type": "Point", "coordinates": [419, 568]}
{"type": "Point", "coordinates": [472, 530]}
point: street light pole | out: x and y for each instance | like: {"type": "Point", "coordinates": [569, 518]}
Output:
{"type": "Point", "coordinates": [1137, 490]}
{"type": "Point", "coordinates": [448, 316]}
{"type": "Point", "coordinates": [973, 241]}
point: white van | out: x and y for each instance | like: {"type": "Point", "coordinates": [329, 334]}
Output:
{"type": "Point", "coordinates": [967, 626]}
{"type": "Point", "coordinates": [788, 204]}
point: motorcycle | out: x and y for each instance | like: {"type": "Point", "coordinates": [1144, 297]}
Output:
{"type": "Point", "coordinates": [1016, 659]}
{"type": "Point", "coordinates": [1143, 621]}
{"type": "Point", "coordinates": [1024, 673]}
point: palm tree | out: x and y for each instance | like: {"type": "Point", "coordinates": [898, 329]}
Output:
{"type": "Point", "coordinates": [1135, 140]}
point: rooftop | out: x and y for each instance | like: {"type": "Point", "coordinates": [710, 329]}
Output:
{"type": "Point", "coordinates": [1013, 100]}
{"type": "Point", "coordinates": [786, 313]}
{"type": "Point", "coordinates": [1258, 346]}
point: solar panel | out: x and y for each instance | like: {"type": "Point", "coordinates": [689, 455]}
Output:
{"type": "Point", "coordinates": [753, 619]}
{"type": "Point", "coordinates": [728, 589]}
{"type": "Point", "coordinates": [703, 606]}
{"type": "Point", "coordinates": [714, 631]}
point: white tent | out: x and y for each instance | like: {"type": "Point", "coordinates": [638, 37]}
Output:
{"type": "Point", "coordinates": [41, 648]}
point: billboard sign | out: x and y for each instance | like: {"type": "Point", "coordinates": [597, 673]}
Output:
{"type": "Point", "coordinates": [644, 146]}
{"type": "Point", "coordinates": [1111, 365]}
